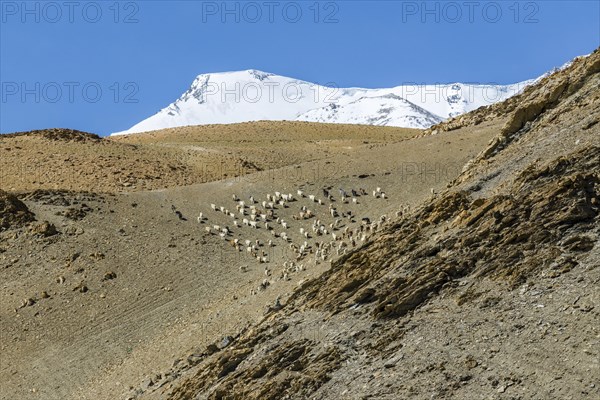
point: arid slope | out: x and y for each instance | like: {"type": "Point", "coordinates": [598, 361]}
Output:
{"type": "Point", "coordinates": [71, 160]}
{"type": "Point", "coordinates": [105, 284]}
{"type": "Point", "coordinates": [489, 290]}
{"type": "Point", "coordinates": [112, 289]}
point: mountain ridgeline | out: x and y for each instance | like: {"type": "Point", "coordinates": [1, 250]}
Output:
{"type": "Point", "coordinates": [243, 96]}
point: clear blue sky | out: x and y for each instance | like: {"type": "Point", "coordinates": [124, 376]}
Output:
{"type": "Point", "coordinates": [51, 51]}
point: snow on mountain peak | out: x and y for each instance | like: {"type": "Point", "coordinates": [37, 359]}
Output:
{"type": "Point", "coordinates": [259, 75]}
{"type": "Point", "coordinates": [252, 95]}
{"type": "Point", "coordinates": [385, 110]}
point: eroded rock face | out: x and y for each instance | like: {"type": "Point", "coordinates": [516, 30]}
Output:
{"type": "Point", "coordinates": [507, 237]}
{"type": "Point", "coordinates": [13, 212]}
{"type": "Point", "coordinates": [539, 228]}
{"type": "Point", "coordinates": [291, 366]}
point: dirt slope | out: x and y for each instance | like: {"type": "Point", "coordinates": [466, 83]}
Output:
{"type": "Point", "coordinates": [103, 290]}
{"type": "Point", "coordinates": [490, 290]}
{"type": "Point", "coordinates": [111, 289]}
{"type": "Point", "coordinates": [71, 160]}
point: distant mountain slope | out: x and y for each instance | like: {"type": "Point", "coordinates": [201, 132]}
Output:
{"type": "Point", "coordinates": [67, 159]}
{"type": "Point", "coordinates": [387, 110]}
{"type": "Point", "coordinates": [231, 97]}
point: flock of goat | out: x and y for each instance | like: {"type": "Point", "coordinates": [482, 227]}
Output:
{"type": "Point", "coordinates": [337, 236]}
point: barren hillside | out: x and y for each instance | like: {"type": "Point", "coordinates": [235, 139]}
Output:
{"type": "Point", "coordinates": [489, 290]}
{"type": "Point", "coordinates": [71, 160]}
{"type": "Point", "coordinates": [400, 264]}
{"type": "Point", "coordinates": [105, 284]}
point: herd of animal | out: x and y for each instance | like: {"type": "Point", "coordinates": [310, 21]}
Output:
{"type": "Point", "coordinates": [320, 227]}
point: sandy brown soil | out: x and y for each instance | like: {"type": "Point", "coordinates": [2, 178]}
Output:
{"type": "Point", "coordinates": [73, 160]}
{"type": "Point", "coordinates": [175, 285]}
{"type": "Point", "coordinates": [486, 289]}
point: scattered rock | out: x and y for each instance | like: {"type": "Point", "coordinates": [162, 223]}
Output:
{"type": "Point", "coordinates": [147, 384]}
{"type": "Point", "coordinates": [81, 288]}
{"type": "Point", "coordinates": [109, 276]}
{"type": "Point", "coordinates": [211, 349]}
{"type": "Point", "coordinates": [28, 302]}
{"type": "Point", "coordinates": [226, 341]}
{"type": "Point", "coordinates": [44, 229]}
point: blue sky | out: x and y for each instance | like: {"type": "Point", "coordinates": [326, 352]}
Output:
{"type": "Point", "coordinates": [102, 66]}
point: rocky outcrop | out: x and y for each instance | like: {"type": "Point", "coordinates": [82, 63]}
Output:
{"type": "Point", "coordinates": [59, 134]}
{"type": "Point", "coordinates": [508, 237]}
{"type": "Point", "coordinates": [526, 106]}
{"type": "Point", "coordinates": [549, 218]}
{"type": "Point", "coordinates": [13, 212]}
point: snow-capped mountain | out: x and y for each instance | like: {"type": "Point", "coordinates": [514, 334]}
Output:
{"type": "Point", "coordinates": [252, 95]}
{"type": "Point", "coordinates": [386, 110]}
